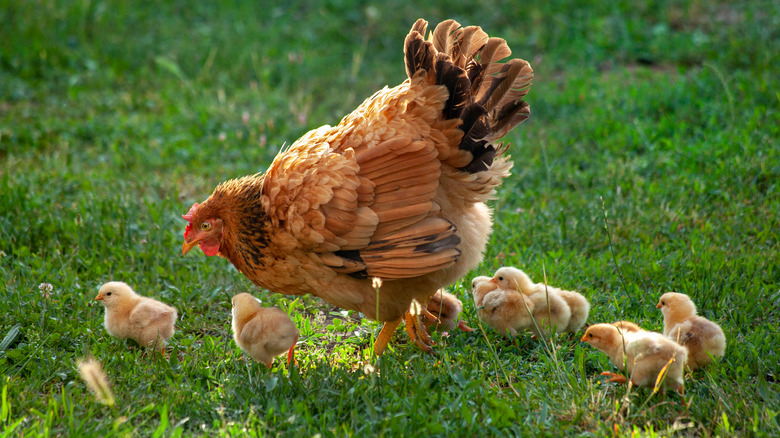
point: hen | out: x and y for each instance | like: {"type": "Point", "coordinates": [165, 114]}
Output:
{"type": "Point", "coordinates": [396, 190]}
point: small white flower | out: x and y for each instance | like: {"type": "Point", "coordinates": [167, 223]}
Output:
{"type": "Point", "coordinates": [46, 289]}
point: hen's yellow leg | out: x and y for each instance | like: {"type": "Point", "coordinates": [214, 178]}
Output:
{"type": "Point", "coordinates": [385, 335]}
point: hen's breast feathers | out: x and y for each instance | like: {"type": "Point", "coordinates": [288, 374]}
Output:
{"type": "Point", "coordinates": [363, 195]}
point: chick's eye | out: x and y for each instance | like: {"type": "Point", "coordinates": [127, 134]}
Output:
{"type": "Point", "coordinates": [663, 303]}
{"type": "Point", "coordinates": [109, 294]}
{"type": "Point", "coordinates": [590, 335]}
{"type": "Point", "coordinates": [205, 226]}
{"type": "Point", "coordinates": [500, 278]}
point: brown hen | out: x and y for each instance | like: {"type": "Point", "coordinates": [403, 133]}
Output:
{"type": "Point", "coordinates": [396, 190]}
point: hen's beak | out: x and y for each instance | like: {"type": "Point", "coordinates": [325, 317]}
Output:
{"type": "Point", "coordinates": [658, 306]}
{"type": "Point", "coordinates": [99, 298]}
{"type": "Point", "coordinates": [188, 246]}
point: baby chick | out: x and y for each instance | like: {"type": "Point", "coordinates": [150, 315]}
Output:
{"type": "Point", "coordinates": [627, 327]}
{"type": "Point", "coordinates": [446, 307]}
{"type": "Point", "coordinates": [705, 339]}
{"type": "Point", "coordinates": [503, 310]}
{"type": "Point", "coordinates": [480, 286]}
{"type": "Point", "coordinates": [579, 306]}
{"type": "Point", "coordinates": [550, 308]}
{"type": "Point", "coordinates": [508, 277]}
{"type": "Point", "coordinates": [262, 332]}
{"type": "Point", "coordinates": [131, 316]}
{"type": "Point", "coordinates": [643, 354]}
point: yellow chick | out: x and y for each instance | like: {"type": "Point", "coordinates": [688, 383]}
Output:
{"type": "Point", "coordinates": [480, 286]}
{"type": "Point", "coordinates": [579, 306]}
{"type": "Point", "coordinates": [508, 277]}
{"type": "Point", "coordinates": [131, 316]}
{"type": "Point", "coordinates": [447, 308]}
{"type": "Point", "coordinates": [507, 311]}
{"type": "Point", "coordinates": [627, 327]}
{"type": "Point", "coordinates": [703, 338]}
{"type": "Point", "coordinates": [550, 308]}
{"type": "Point", "coordinates": [643, 354]}
{"type": "Point", "coordinates": [262, 332]}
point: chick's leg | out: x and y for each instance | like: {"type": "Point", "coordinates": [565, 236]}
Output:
{"type": "Point", "coordinates": [614, 377]}
{"type": "Point", "coordinates": [291, 353]}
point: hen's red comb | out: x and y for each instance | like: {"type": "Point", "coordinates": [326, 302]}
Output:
{"type": "Point", "coordinates": [191, 213]}
{"type": "Point", "coordinates": [188, 218]}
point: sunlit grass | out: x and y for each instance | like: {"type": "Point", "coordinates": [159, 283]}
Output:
{"type": "Point", "coordinates": [650, 164]}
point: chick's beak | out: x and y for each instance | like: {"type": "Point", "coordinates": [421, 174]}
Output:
{"type": "Point", "coordinates": [582, 339]}
{"type": "Point", "coordinates": [658, 306]}
{"type": "Point", "coordinates": [188, 245]}
{"type": "Point", "coordinates": [99, 298]}
{"type": "Point", "coordinates": [493, 280]}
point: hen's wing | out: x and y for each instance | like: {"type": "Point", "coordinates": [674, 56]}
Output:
{"type": "Point", "coordinates": [362, 195]}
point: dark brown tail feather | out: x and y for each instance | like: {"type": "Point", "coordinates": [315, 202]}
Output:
{"type": "Point", "coordinates": [485, 94]}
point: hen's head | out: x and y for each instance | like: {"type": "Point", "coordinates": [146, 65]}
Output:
{"type": "Point", "coordinates": [204, 228]}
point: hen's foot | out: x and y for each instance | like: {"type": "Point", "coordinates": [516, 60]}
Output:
{"type": "Point", "coordinates": [416, 328]}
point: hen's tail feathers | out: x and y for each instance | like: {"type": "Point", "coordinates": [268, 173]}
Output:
{"type": "Point", "coordinates": [485, 94]}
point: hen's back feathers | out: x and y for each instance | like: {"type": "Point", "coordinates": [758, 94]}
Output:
{"type": "Point", "coordinates": [484, 94]}
{"type": "Point", "coordinates": [366, 194]}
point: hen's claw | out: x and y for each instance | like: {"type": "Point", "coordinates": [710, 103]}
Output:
{"type": "Point", "coordinates": [416, 328]}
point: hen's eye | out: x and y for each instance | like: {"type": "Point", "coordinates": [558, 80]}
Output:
{"type": "Point", "coordinates": [205, 226]}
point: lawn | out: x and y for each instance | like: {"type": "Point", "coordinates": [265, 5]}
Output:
{"type": "Point", "coordinates": [651, 163]}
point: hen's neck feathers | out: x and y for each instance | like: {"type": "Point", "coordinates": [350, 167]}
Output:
{"type": "Point", "coordinates": [238, 202]}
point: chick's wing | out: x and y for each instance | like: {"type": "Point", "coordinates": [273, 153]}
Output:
{"type": "Point", "coordinates": [149, 312]}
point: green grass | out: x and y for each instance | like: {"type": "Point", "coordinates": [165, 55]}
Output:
{"type": "Point", "coordinates": [651, 163]}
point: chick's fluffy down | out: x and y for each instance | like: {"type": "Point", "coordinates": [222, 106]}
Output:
{"type": "Point", "coordinates": [131, 316]}
{"type": "Point", "coordinates": [262, 332]}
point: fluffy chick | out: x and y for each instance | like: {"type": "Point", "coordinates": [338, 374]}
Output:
{"type": "Point", "coordinates": [627, 327]}
{"type": "Point", "coordinates": [131, 316]}
{"type": "Point", "coordinates": [507, 311]}
{"type": "Point", "coordinates": [262, 332]}
{"type": "Point", "coordinates": [550, 306]}
{"type": "Point", "coordinates": [446, 307]}
{"type": "Point", "coordinates": [509, 277]}
{"type": "Point", "coordinates": [579, 307]}
{"type": "Point", "coordinates": [643, 354]}
{"type": "Point", "coordinates": [703, 338]}
{"type": "Point", "coordinates": [480, 286]}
